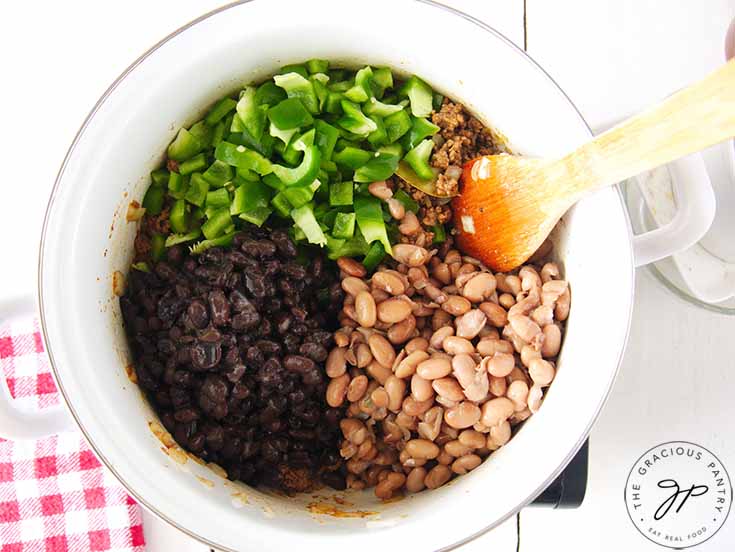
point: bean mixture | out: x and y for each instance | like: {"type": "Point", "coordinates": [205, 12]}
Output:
{"type": "Point", "coordinates": [437, 360]}
{"type": "Point", "coordinates": [262, 355]}
{"type": "Point", "coordinates": [230, 348]}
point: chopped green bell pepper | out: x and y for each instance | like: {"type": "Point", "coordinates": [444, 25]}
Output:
{"type": "Point", "coordinates": [376, 107]}
{"type": "Point", "coordinates": [301, 195]}
{"type": "Point", "coordinates": [298, 86]}
{"type": "Point", "coordinates": [326, 138]}
{"type": "Point", "coordinates": [178, 218]}
{"type": "Point", "coordinates": [382, 80]}
{"type": "Point", "coordinates": [361, 91]}
{"type": "Point", "coordinates": [141, 266]}
{"type": "Point", "coordinates": [354, 120]}
{"type": "Point", "coordinates": [216, 199]}
{"type": "Point", "coordinates": [409, 203]}
{"type": "Point", "coordinates": [153, 200]}
{"type": "Point", "coordinates": [317, 66]}
{"type": "Point", "coordinates": [197, 192]}
{"type": "Point", "coordinates": [284, 136]}
{"type": "Point", "coordinates": [374, 256]}
{"type": "Point", "coordinates": [222, 241]}
{"type": "Point", "coordinates": [159, 177]}
{"type": "Point", "coordinates": [249, 196]}
{"type": "Point", "coordinates": [437, 101]}
{"type": "Point", "coordinates": [351, 157]}
{"type": "Point", "coordinates": [344, 225]}
{"type": "Point", "coordinates": [220, 110]}
{"type": "Point", "coordinates": [307, 171]}
{"type": "Point", "coordinates": [184, 146]}
{"type": "Point", "coordinates": [440, 233]}
{"type": "Point", "coordinates": [379, 136]}
{"type": "Point", "coordinates": [242, 158]}
{"type": "Point", "coordinates": [380, 167]}
{"type": "Point", "coordinates": [273, 181]}
{"type": "Point", "coordinates": [419, 95]}
{"type": "Point", "coordinates": [256, 216]}
{"type": "Point", "coordinates": [320, 89]}
{"type": "Point", "coordinates": [203, 133]}
{"type": "Point", "coordinates": [397, 124]}
{"type": "Point", "coordinates": [196, 163]}
{"type": "Point", "coordinates": [251, 114]}
{"type": "Point", "coordinates": [294, 68]}
{"type": "Point", "coordinates": [175, 239]}
{"type": "Point", "coordinates": [304, 219]}
{"type": "Point", "coordinates": [218, 133]}
{"type": "Point", "coordinates": [340, 193]}
{"type": "Point", "coordinates": [420, 128]}
{"type": "Point", "coordinates": [217, 224]}
{"type": "Point", "coordinates": [269, 94]}
{"type": "Point", "coordinates": [289, 114]}
{"type": "Point", "coordinates": [418, 159]}
{"type": "Point", "coordinates": [281, 205]}
{"type": "Point", "coordinates": [177, 185]}
{"type": "Point", "coordinates": [218, 174]}
{"type": "Point", "coordinates": [158, 246]}
{"type": "Point", "coordinates": [370, 220]}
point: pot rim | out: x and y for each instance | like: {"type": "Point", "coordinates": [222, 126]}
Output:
{"type": "Point", "coordinates": [523, 55]}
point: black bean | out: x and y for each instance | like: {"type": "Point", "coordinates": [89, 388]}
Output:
{"type": "Point", "coordinates": [205, 355]}
{"type": "Point", "coordinates": [240, 302]}
{"type": "Point", "coordinates": [298, 363]}
{"type": "Point", "coordinates": [240, 391]}
{"type": "Point", "coordinates": [268, 346]}
{"type": "Point", "coordinates": [219, 307]}
{"type": "Point", "coordinates": [215, 388]}
{"type": "Point", "coordinates": [284, 244]}
{"type": "Point", "coordinates": [314, 351]}
{"type": "Point", "coordinates": [198, 314]}
{"type": "Point", "coordinates": [235, 372]}
{"type": "Point", "coordinates": [186, 415]}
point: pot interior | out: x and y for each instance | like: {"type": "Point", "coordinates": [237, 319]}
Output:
{"type": "Point", "coordinates": [87, 240]}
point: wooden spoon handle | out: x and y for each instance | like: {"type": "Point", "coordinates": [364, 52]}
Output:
{"type": "Point", "coordinates": [690, 120]}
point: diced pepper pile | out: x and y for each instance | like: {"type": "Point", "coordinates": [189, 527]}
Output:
{"type": "Point", "coordinates": [299, 150]}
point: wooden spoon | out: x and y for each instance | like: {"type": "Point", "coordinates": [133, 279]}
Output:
{"type": "Point", "coordinates": [508, 205]}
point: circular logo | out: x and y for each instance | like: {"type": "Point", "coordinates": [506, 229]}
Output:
{"type": "Point", "coordinates": [678, 494]}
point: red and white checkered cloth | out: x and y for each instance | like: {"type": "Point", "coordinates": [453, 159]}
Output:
{"type": "Point", "coordinates": [55, 496]}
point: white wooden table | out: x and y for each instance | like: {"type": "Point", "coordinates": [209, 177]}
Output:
{"type": "Point", "coordinates": [611, 56]}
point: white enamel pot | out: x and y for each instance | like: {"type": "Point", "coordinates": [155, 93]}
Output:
{"type": "Point", "coordinates": [86, 240]}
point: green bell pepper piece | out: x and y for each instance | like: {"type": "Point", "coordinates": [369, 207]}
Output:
{"type": "Point", "coordinates": [158, 246]}
{"type": "Point", "coordinates": [317, 66]}
{"type": "Point", "coordinates": [354, 120]}
{"type": "Point", "coordinates": [197, 192]}
{"type": "Point", "coordinates": [420, 95]}
{"type": "Point", "coordinates": [236, 126]}
{"type": "Point", "coordinates": [307, 171]}
{"type": "Point", "coordinates": [196, 163]}
{"type": "Point", "coordinates": [217, 199]}
{"type": "Point", "coordinates": [337, 75]}
{"type": "Point", "coordinates": [326, 138]}
{"type": "Point", "coordinates": [407, 201]}
{"type": "Point", "coordinates": [351, 157]}
{"type": "Point", "coordinates": [334, 103]}
{"type": "Point", "coordinates": [242, 158]}
{"type": "Point", "coordinates": [298, 86]}
{"type": "Point", "coordinates": [290, 154]}
{"type": "Point", "coordinates": [375, 107]}
{"type": "Point", "coordinates": [178, 217]}
{"type": "Point", "coordinates": [256, 216]}
{"type": "Point", "coordinates": [284, 136]}
{"type": "Point", "coordinates": [301, 195]}
{"type": "Point", "coordinates": [440, 233]}
{"type": "Point", "coordinates": [141, 266]}
{"type": "Point", "coordinates": [220, 110]}
{"type": "Point", "coordinates": [249, 196]}
{"type": "Point", "coordinates": [177, 185]}
{"type": "Point", "coordinates": [392, 149]}
{"type": "Point", "coordinates": [437, 100]}
{"type": "Point", "coordinates": [380, 167]}
{"type": "Point", "coordinates": [289, 114]}
{"type": "Point", "coordinates": [269, 94]}
{"type": "Point", "coordinates": [217, 224]}
{"type": "Point", "coordinates": [420, 128]}
{"type": "Point", "coordinates": [264, 146]}
{"type": "Point", "coordinates": [382, 80]}
{"type": "Point", "coordinates": [379, 136]}
{"type": "Point", "coordinates": [361, 91]}
{"type": "Point", "coordinates": [273, 181]}
{"type": "Point", "coordinates": [159, 177]}
{"type": "Point", "coordinates": [344, 225]}
{"type": "Point", "coordinates": [153, 200]}
{"type": "Point", "coordinates": [203, 133]}
{"type": "Point", "coordinates": [374, 256]}
{"type": "Point", "coordinates": [340, 193]}
{"type": "Point", "coordinates": [218, 133]}
{"type": "Point", "coordinates": [184, 146]}
{"type": "Point", "coordinates": [397, 124]}
{"type": "Point", "coordinates": [320, 89]}
{"type": "Point", "coordinates": [304, 219]}
{"type": "Point", "coordinates": [281, 205]}
{"type": "Point", "coordinates": [251, 114]}
{"type": "Point", "coordinates": [175, 239]}
{"type": "Point", "coordinates": [350, 248]}
{"type": "Point", "coordinates": [245, 175]}
{"type": "Point", "coordinates": [222, 241]}
{"type": "Point", "coordinates": [218, 174]}
{"type": "Point", "coordinates": [418, 159]}
{"type": "Point", "coordinates": [294, 68]}
{"type": "Point", "coordinates": [369, 216]}
{"type": "Point", "coordinates": [342, 86]}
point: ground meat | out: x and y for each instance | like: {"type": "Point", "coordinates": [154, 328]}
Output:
{"type": "Point", "coordinates": [142, 246]}
{"type": "Point", "coordinates": [462, 138]}
{"type": "Point", "coordinates": [430, 212]}
{"type": "Point", "coordinates": [172, 165]}
{"type": "Point", "coordinates": [158, 223]}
